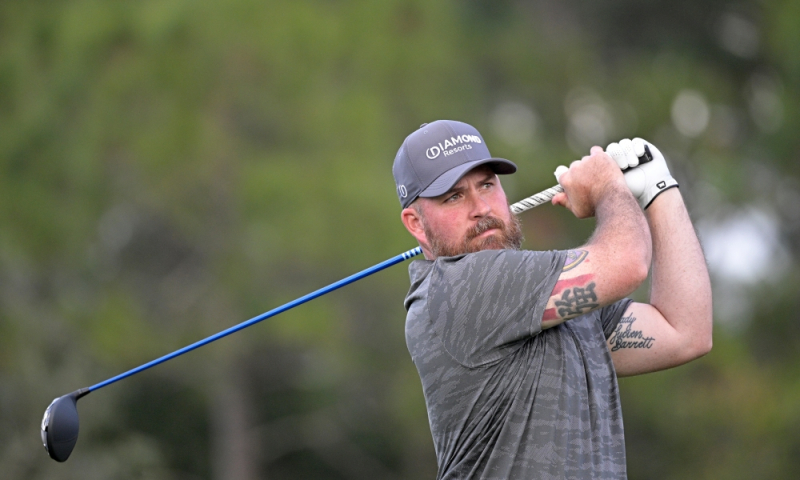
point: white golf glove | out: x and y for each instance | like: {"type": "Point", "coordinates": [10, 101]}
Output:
{"type": "Point", "coordinates": [646, 176]}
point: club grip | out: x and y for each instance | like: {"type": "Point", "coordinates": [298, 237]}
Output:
{"type": "Point", "coordinates": [645, 158]}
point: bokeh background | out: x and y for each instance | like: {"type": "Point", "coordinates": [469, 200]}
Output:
{"type": "Point", "coordinates": [171, 168]}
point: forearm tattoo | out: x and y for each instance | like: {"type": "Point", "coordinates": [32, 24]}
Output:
{"type": "Point", "coordinates": [574, 258]}
{"type": "Point", "coordinates": [626, 336]}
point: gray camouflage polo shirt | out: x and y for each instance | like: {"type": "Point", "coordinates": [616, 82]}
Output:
{"type": "Point", "coordinates": [505, 399]}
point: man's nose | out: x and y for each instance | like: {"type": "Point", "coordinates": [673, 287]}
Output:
{"type": "Point", "coordinates": [480, 207]}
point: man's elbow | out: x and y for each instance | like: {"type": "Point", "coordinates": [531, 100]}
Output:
{"type": "Point", "coordinates": [702, 340]}
{"type": "Point", "coordinates": [635, 274]}
{"type": "Point", "coordinates": [640, 272]}
{"type": "Point", "coordinates": [639, 267]}
{"type": "Point", "coordinates": [705, 344]}
{"type": "Point", "coordinates": [700, 348]}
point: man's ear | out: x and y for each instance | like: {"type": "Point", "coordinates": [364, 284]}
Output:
{"type": "Point", "coordinates": [413, 223]}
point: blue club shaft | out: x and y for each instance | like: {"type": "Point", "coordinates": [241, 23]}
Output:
{"type": "Point", "coordinates": [322, 291]}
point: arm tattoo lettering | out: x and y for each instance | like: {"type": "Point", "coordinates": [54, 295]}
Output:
{"type": "Point", "coordinates": [624, 336]}
{"type": "Point", "coordinates": [574, 258]}
{"type": "Point", "coordinates": [577, 301]}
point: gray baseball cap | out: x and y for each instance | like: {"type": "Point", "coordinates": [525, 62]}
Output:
{"type": "Point", "coordinates": [434, 158]}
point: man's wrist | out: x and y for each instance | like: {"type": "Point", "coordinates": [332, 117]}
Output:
{"type": "Point", "coordinates": [614, 197]}
{"type": "Point", "coordinates": [658, 189]}
{"type": "Point", "coordinates": [662, 201]}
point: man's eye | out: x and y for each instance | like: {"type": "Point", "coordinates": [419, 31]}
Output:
{"type": "Point", "coordinates": [452, 198]}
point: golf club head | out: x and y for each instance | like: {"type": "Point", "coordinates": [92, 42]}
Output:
{"type": "Point", "coordinates": [60, 425]}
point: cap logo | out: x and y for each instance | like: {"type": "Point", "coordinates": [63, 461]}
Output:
{"type": "Point", "coordinates": [451, 145]}
{"type": "Point", "coordinates": [401, 190]}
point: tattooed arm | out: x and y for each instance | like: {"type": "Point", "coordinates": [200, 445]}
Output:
{"type": "Point", "coordinates": [615, 260]}
{"type": "Point", "coordinates": [676, 326]}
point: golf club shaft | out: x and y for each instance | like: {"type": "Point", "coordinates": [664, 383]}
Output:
{"type": "Point", "coordinates": [525, 204]}
{"type": "Point", "coordinates": [318, 293]}
{"type": "Point", "coordinates": [535, 200]}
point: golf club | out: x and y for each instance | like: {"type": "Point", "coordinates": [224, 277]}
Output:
{"type": "Point", "coordinates": [60, 421]}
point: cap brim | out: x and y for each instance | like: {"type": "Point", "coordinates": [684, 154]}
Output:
{"type": "Point", "coordinates": [448, 179]}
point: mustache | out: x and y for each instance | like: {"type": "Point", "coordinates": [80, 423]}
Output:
{"type": "Point", "coordinates": [509, 237]}
{"type": "Point", "coordinates": [484, 224]}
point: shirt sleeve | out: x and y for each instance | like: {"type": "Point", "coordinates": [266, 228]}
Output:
{"type": "Point", "coordinates": [611, 314]}
{"type": "Point", "coordinates": [486, 303]}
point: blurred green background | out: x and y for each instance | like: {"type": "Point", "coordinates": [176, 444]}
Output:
{"type": "Point", "coordinates": [171, 168]}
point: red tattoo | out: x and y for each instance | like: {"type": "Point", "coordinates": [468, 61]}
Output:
{"type": "Point", "coordinates": [577, 285]}
{"type": "Point", "coordinates": [578, 281]}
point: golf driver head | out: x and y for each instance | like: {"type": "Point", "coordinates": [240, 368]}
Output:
{"type": "Point", "coordinates": [60, 425]}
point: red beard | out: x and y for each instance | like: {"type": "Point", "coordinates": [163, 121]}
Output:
{"type": "Point", "coordinates": [508, 237]}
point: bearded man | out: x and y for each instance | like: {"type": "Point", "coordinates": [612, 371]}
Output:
{"type": "Point", "coordinates": [519, 351]}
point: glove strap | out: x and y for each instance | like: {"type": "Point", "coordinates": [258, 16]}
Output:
{"type": "Point", "coordinates": [659, 188]}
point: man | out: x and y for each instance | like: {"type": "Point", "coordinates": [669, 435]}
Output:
{"type": "Point", "coordinates": [518, 351]}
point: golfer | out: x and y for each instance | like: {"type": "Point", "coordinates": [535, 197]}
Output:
{"type": "Point", "coordinates": [519, 351]}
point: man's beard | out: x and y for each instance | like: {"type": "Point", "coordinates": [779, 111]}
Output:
{"type": "Point", "coordinates": [510, 237]}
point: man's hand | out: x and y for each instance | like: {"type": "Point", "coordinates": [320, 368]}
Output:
{"type": "Point", "coordinates": [647, 180]}
{"type": "Point", "coordinates": [587, 182]}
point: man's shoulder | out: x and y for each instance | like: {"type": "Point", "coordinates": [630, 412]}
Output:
{"type": "Point", "coordinates": [418, 269]}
